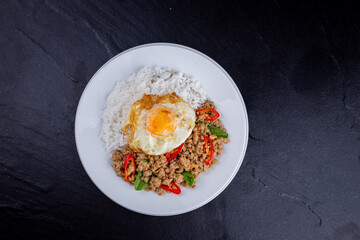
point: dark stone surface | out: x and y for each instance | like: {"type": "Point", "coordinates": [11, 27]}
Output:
{"type": "Point", "coordinates": [297, 65]}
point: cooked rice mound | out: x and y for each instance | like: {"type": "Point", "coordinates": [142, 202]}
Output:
{"type": "Point", "coordinates": [157, 81]}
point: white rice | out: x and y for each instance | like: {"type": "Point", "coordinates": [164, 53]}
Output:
{"type": "Point", "coordinates": [158, 81]}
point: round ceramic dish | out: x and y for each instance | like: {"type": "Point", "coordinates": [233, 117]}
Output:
{"type": "Point", "coordinates": [220, 88]}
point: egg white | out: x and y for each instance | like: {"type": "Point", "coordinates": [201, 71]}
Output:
{"type": "Point", "coordinates": [156, 145]}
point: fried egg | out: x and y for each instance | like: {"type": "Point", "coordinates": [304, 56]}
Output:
{"type": "Point", "coordinates": [158, 124]}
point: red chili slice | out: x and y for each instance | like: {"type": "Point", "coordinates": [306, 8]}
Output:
{"type": "Point", "coordinates": [170, 188]}
{"type": "Point", "coordinates": [169, 158]}
{"type": "Point", "coordinates": [129, 158]}
{"type": "Point", "coordinates": [206, 149]}
{"type": "Point", "coordinates": [209, 110]}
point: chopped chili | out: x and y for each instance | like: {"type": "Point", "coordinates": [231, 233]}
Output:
{"type": "Point", "coordinates": [208, 118]}
{"type": "Point", "coordinates": [206, 149]}
{"type": "Point", "coordinates": [129, 158]}
{"type": "Point", "coordinates": [174, 188]}
{"type": "Point", "coordinates": [169, 158]}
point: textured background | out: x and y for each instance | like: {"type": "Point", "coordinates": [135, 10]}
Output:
{"type": "Point", "coordinates": [297, 65]}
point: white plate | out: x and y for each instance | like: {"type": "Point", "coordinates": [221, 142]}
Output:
{"type": "Point", "coordinates": [220, 88]}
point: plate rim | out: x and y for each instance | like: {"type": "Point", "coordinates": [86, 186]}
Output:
{"type": "Point", "coordinates": [242, 156]}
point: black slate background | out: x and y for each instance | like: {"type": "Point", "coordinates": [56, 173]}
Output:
{"type": "Point", "coordinates": [296, 63]}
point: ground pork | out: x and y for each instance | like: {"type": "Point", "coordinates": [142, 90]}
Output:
{"type": "Point", "coordinates": [157, 171]}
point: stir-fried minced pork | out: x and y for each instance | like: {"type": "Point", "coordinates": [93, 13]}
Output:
{"type": "Point", "coordinates": [158, 171]}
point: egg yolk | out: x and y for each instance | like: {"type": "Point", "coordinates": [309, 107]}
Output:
{"type": "Point", "coordinates": [161, 121]}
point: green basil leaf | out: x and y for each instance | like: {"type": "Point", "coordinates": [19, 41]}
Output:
{"type": "Point", "coordinates": [145, 160]}
{"type": "Point", "coordinates": [142, 185]}
{"type": "Point", "coordinates": [214, 130]}
{"type": "Point", "coordinates": [137, 180]}
{"type": "Point", "coordinates": [217, 131]}
{"type": "Point", "coordinates": [189, 178]}
{"type": "Point", "coordinates": [139, 184]}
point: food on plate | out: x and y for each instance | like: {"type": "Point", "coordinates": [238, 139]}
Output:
{"type": "Point", "coordinates": [179, 167]}
{"type": "Point", "coordinates": [161, 130]}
